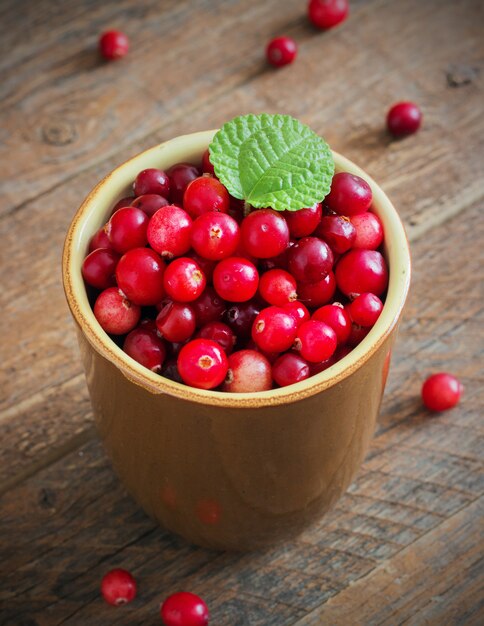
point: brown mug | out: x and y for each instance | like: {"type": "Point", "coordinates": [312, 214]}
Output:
{"type": "Point", "coordinates": [231, 471]}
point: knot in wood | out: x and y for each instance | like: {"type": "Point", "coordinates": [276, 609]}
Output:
{"type": "Point", "coordinates": [59, 132]}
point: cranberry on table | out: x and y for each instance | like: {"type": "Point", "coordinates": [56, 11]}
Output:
{"type": "Point", "coordinates": [310, 260]}
{"type": "Point", "coordinates": [316, 341]}
{"type": "Point", "coordinates": [220, 333]}
{"type": "Point", "coordinates": [281, 51]}
{"type": "Point", "coordinates": [169, 231]}
{"type": "Point", "coordinates": [205, 194]}
{"type": "Point", "coordinates": [303, 223]}
{"type": "Point", "coordinates": [326, 14]}
{"type": "Point", "coordinates": [249, 371]}
{"type": "Point", "coordinates": [115, 313]}
{"type": "Point", "coordinates": [202, 364]}
{"type": "Point", "coordinates": [274, 329]}
{"type": "Point", "coordinates": [336, 316]}
{"type": "Point", "coordinates": [369, 231]}
{"type": "Point", "coordinates": [277, 287]}
{"type": "Point", "coordinates": [176, 321]}
{"type": "Point", "coordinates": [208, 307]}
{"type": "Point", "coordinates": [298, 310]}
{"type": "Point", "coordinates": [139, 275]}
{"type": "Point", "coordinates": [184, 609]}
{"type": "Point", "coordinates": [241, 316]}
{"type": "Point", "coordinates": [290, 368]}
{"type": "Point", "coordinates": [150, 181]}
{"type": "Point", "coordinates": [215, 235]}
{"type": "Point", "coordinates": [441, 392]}
{"type": "Point", "coordinates": [207, 166]}
{"type": "Point", "coordinates": [338, 232]}
{"type": "Point", "coordinates": [349, 194]}
{"type": "Point", "coordinates": [113, 44]}
{"type": "Point", "coordinates": [181, 175]}
{"type": "Point", "coordinates": [235, 279]}
{"type": "Point", "coordinates": [127, 229]}
{"type": "Point", "coordinates": [404, 118]}
{"type": "Point", "coordinates": [361, 271]}
{"type": "Point", "coordinates": [365, 309]}
{"type": "Point", "coordinates": [144, 345]}
{"type": "Point", "coordinates": [183, 280]}
{"type": "Point", "coordinates": [317, 294]}
{"type": "Point", "coordinates": [98, 268]}
{"type": "Point", "coordinates": [264, 233]}
{"type": "Point", "coordinates": [118, 587]}
{"type": "Point", "coordinates": [150, 203]}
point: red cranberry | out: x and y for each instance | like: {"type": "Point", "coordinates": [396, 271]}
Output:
{"type": "Point", "coordinates": [115, 313]}
{"type": "Point", "coordinates": [120, 204]}
{"type": "Point", "coordinates": [290, 368]}
{"type": "Point", "coordinates": [235, 279]}
{"type": "Point", "coordinates": [338, 232]}
{"type": "Point", "coordinates": [151, 181]}
{"type": "Point", "coordinates": [303, 223]}
{"type": "Point", "coordinates": [215, 235]}
{"type": "Point", "coordinates": [220, 333]}
{"type": "Point", "coordinates": [99, 267]}
{"type": "Point", "coordinates": [365, 309]}
{"type": "Point", "coordinates": [310, 260]}
{"type": "Point", "coordinates": [184, 280]}
{"type": "Point", "coordinates": [127, 229]}
{"type": "Point", "coordinates": [205, 265]}
{"type": "Point", "coordinates": [180, 176]}
{"type": "Point", "coordinates": [357, 334]}
{"type": "Point", "coordinates": [150, 203]}
{"type": "Point", "coordinates": [113, 44]}
{"type": "Point", "coordinates": [139, 275]}
{"type": "Point", "coordinates": [404, 118]}
{"type": "Point", "coordinates": [207, 166]}
{"type": "Point", "coordinates": [360, 271]}
{"type": "Point", "coordinates": [240, 317]}
{"type": "Point", "coordinates": [441, 392]}
{"type": "Point", "coordinates": [297, 310]}
{"type": "Point", "coordinates": [369, 231]}
{"type": "Point", "coordinates": [208, 307]}
{"type": "Point", "coordinates": [118, 587]}
{"type": "Point", "coordinates": [277, 287]}
{"type": "Point", "coordinates": [336, 316]}
{"type": "Point", "coordinates": [144, 345]}
{"type": "Point", "coordinates": [169, 231]}
{"type": "Point", "coordinates": [176, 322]}
{"type": "Point", "coordinates": [317, 294]}
{"type": "Point", "coordinates": [274, 329]}
{"type": "Point", "coordinates": [328, 13]}
{"type": "Point", "coordinates": [184, 609]}
{"type": "Point", "coordinates": [281, 51]}
{"type": "Point", "coordinates": [264, 233]}
{"type": "Point", "coordinates": [99, 240]}
{"type": "Point", "coordinates": [205, 194]}
{"type": "Point", "coordinates": [349, 194]}
{"type": "Point", "coordinates": [249, 371]}
{"type": "Point", "coordinates": [202, 363]}
{"type": "Point", "coordinates": [316, 341]}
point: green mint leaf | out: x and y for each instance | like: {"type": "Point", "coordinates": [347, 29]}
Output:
{"type": "Point", "coordinates": [272, 161]}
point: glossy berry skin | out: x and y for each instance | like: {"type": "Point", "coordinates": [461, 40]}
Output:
{"type": "Point", "coordinates": [139, 275]}
{"type": "Point", "coordinates": [176, 321]}
{"type": "Point", "coordinates": [303, 223]}
{"type": "Point", "coordinates": [326, 14]}
{"type": "Point", "coordinates": [183, 280]}
{"type": "Point", "coordinates": [298, 310]}
{"type": "Point", "coordinates": [202, 364]}
{"type": "Point", "coordinates": [368, 231]}
{"type": "Point", "coordinates": [349, 195]}
{"type": "Point", "coordinates": [240, 317]}
{"type": "Point", "coordinates": [215, 236]}
{"type": "Point", "coordinates": [143, 345]}
{"type": "Point", "coordinates": [208, 307]}
{"type": "Point", "coordinates": [316, 341]}
{"type": "Point", "coordinates": [205, 194]}
{"type": "Point", "coordinates": [169, 231]}
{"type": "Point", "coordinates": [317, 294]}
{"type": "Point", "coordinates": [205, 265]}
{"type": "Point", "coordinates": [281, 51]}
{"type": "Point", "coordinates": [207, 166]}
{"type": "Point", "coordinates": [338, 232]}
{"type": "Point", "coordinates": [264, 233]}
{"type": "Point", "coordinates": [249, 371]}
{"type": "Point", "coordinates": [336, 316]}
{"type": "Point", "coordinates": [118, 587]}
{"type": "Point", "coordinates": [115, 314]}
{"type": "Point", "coordinates": [235, 279]}
{"type": "Point", "coordinates": [274, 329]}
{"type": "Point", "coordinates": [113, 44]}
{"type": "Point", "coordinates": [441, 392]}
{"type": "Point", "coordinates": [290, 368]}
{"type": "Point", "coordinates": [365, 309]}
{"type": "Point", "coordinates": [150, 203]}
{"type": "Point", "coordinates": [99, 240]}
{"type": "Point", "coordinates": [277, 287]}
{"type": "Point", "coordinates": [98, 268]}
{"type": "Point", "coordinates": [151, 181]}
{"type": "Point", "coordinates": [220, 333]}
{"type": "Point", "coordinates": [310, 260]}
{"type": "Point", "coordinates": [181, 175]}
{"type": "Point", "coordinates": [360, 271]}
{"type": "Point", "coordinates": [404, 118]}
{"type": "Point", "coordinates": [127, 229]}
{"type": "Point", "coordinates": [184, 609]}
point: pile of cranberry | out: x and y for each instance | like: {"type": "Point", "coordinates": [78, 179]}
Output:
{"type": "Point", "coordinates": [206, 291]}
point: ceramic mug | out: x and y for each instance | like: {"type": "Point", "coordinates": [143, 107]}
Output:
{"type": "Point", "coordinates": [231, 471]}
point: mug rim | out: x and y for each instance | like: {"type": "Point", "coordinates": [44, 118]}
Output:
{"type": "Point", "coordinates": [97, 205]}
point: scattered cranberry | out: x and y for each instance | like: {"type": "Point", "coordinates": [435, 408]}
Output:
{"type": "Point", "coordinates": [441, 392]}
{"type": "Point", "coordinates": [336, 316]}
{"type": "Point", "coordinates": [297, 310]}
{"type": "Point", "coordinates": [118, 587]}
{"type": "Point", "coordinates": [328, 13]}
{"type": "Point", "coordinates": [310, 260]}
{"type": "Point", "coordinates": [277, 287]}
{"type": "Point", "coordinates": [150, 203]}
{"type": "Point", "coordinates": [202, 363]}
{"type": "Point", "coordinates": [127, 229]}
{"type": "Point", "coordinates": [317, 294]}
{"type": "Point", "coordinates": [281, 51]}
{"type": "Point", "coordinates": [113, 44]}
{"type": "Point", "coordinates": [249, 371]}
{"type": "Point", "coordinates": [169, 231]}
{"type": "Point", "coordinates": [115, 313]}
{"type": "Point", "coordinates": [99, 267]}
{"type": "Point", "coordinates": [316, 341]}
{"type": "Point", "coordinates": [184, 280]}
{"type": "Point", "coordinates": [235, 279]}
{"type": "Point", "coordinates": [208, 307]}
{"type": "Point", "coordinates": [338, 232]}
{"type": "Point", "coordinates": [264, 233]}
{"type": "Point", "coordinates": [139, 275]}
{"type": "Point", "coordinates": [215, 235]}
{"type": "Point", "coordinates": [99, 240]}
{"type": "Point", "coordinates": [365, 309]}
{"type": "Point", "coordinates": [404, 118]}
{"type": "Point", "coordinates": [176, 321]}
{"type": "Point", "coordinates": [360, 271]}
{"type": "Point", "coordinates": [151, 181]}
{"type": "Point", "coordinates": [274, 329]}
{"type": "Point", "coordinates": [369, 231]}
{"type": "Point", "coordinates": [290, 368]}
{"type": "Point", "coordinates": [180, 175]}
{"type": "Point", "coordinates": [205, 194]}
{"type": "Point", "coordinates": [144, 346]}
{"type": "Point", "coordinates": [220, 333]}
{"type": "Point", "coordinates": [184, 609]}
{"type": "Point", "coordinates": [207, 166]}
{"type": "Point", "coordinates": [349, 194]}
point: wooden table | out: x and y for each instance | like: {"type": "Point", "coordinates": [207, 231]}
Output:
{"type": "Point", "coordinates": [403, 546]}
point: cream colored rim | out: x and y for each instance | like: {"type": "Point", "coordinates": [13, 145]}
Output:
{"type": "Point", "coordinates": [94, 212]}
